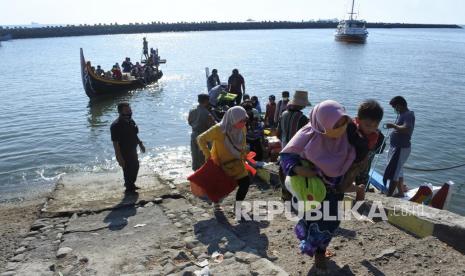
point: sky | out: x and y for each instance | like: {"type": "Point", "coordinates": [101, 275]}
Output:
{"type": "Point", "coordinates": [23, 12]}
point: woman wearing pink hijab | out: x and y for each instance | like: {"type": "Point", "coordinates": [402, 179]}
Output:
{"type": "Point", "coordinates": [323, 142]}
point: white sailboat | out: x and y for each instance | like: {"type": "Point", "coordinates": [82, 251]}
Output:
{"type": "Point", "coordinates": [351, 30]}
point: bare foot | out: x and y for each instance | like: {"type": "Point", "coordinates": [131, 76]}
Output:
{"type": "Point", "coordinates": [360, 193]}
{"type": "Point", "coordinates": [405, 188]}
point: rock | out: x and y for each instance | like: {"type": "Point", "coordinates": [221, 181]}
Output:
{"type": "Point", "coordinates": [178, 224]}
{"type": "Point", "coordinates": [170, 215]}
{"type": "Point", "coordinates": [181, 256]}
{"type": "Point", "coordinates": [198, 251]}
{"type": "Point", "coordinates": [265, 267]}
{"type": "Point", "coordinates": [183, 265]}
{"type": "Point", "coordinates": [11, 266]}
{"type": "Point", "coordinates": [84, 260]}
{"type": "Point", "coordinates": [228, 255]}
{"type": "Point", "coordinates": [18, 258]}
{"type": "Point", "coordinates": [38, 225]}
{"type": "Point", "coordinates": [169, 268]}
{"type": "Point", "coordinates": [386, 253]}
{"type": "Point", "coordinates": [74, 216]}
{"type": "Point", "coordinates": [191, 242]}
{"type": "Point", "coordinates": [46, 228]}
{"type": "Point", "coordinates": [20, 250]}
{"type": "Point", "coordinates": [139, 268]}
{"type": "Point", "coordinates": [177, 245]}
{"type": "Point", "coordinates": [8, 273]}
{"type": "Point", "coordinates": [203, 256]}
{"type": "Point", "coordinates": [150, 204]}
{"type": "Point", "coordinates": [62, 252]}
{"type": "Point", "coordinates": [247, 258]}
{"type": "Point", "coordinates": [59, 236]}
{"type": "Point", "coordinates": [158, 200]}
{"type": "Point", "coordinates": [32, 233]}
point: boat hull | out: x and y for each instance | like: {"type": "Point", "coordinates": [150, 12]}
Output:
{"type": "Point", "coordinates": [95, 86]}
{"type": "Point", "coordinates": [351, 38]}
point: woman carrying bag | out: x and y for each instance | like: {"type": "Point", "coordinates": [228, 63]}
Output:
{"type": "Point", "coordinates": [228, 140]}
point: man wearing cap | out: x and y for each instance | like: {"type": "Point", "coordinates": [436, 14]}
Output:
{"type": "Point", "coordinates": [236, 85]}
{"type": "Point", "coordinates": [281, 106]}
{"type": "Point", "coordinates": [213, 80]}
{"type": "Point", "coordinates": [200, 120]}
{"type": "Point", "coordinates": [291, 121]}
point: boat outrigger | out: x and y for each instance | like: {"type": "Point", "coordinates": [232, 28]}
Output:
{"type": "Point", "coordinates": [96, 86]}
{"type": "Point", "coordinates": [351, 30]}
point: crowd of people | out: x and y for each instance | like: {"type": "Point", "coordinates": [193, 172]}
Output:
{"type": "Point", "coordinates": [329, 149]}
{"type": "Point", "coordinates": [128, 70]}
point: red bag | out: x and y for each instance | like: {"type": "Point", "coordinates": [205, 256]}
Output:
{"type": "Point", "coordinates": [214, 181]}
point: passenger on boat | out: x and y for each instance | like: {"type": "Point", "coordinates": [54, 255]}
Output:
{"type": "Point", "coordinates": [321, 154]}
{"type": "Point", "coordinates": [290, 123]}
{"type": "Point", "coordinates": [200, 120]}
{"type": "Point", "coordinates": [256, 104]}
{"type": "Point", "coordinates": [213, 80]}
{"type": "Point", "coordinates": [137, 71]}
{"type": "Point", "coordinates": [246, 97]}
{"type": "Point", "coordinates": [154, 56]}
{"type": "Point", "coordinates": [269, 113]}
{"type": "Point", "coordinates": [281, 105]}
{"type": "Point", "coordinates": [116, 73]}
{"type": "Point", "coordinates": [236, 85]}
{"type": "Point", "coordinates": [148, 73]}
{"type": "Point", "coordinates": [127, 65]}
{"type": "Point", "coordinates": [93, 69]}
{"type": "Point", "coordinates": [367, 139]}
{"type": "Point", "coordinates": [145, 48]}
{"type": "Point", "coordinates": [400, 148]}
{"type": "Point", "coordinates": [117, 66]}
{"type": "Point", "coordinates": [215, 92]}
{"type": "Point", "coordinates": [99, 72]}
{"type": "Point", "coordinates": [228, 141]}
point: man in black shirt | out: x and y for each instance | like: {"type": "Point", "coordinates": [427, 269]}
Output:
{"type": "Point", "coordinates": [125, 140]}
{"type": "Point", "coordinates": [236, 85]}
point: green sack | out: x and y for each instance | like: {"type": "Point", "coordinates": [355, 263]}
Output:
{"type": "Point", "coordinates": [228, 97]}
{"type": "Point", "coordinates": [310, 191]}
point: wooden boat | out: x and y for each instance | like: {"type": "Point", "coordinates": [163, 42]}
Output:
{"type": "Point", "coordinates": [96, 86]}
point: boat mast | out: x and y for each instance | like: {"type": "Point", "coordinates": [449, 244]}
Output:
{"type": "Point", "coordinates": [352, 11]}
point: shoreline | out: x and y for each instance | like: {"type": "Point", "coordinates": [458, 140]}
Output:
{"type": "Point", "coordinates": [159, 27]}
{"type": "Point", "coordinates": [88, 226]}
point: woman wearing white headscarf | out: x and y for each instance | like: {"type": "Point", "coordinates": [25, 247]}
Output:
{"type": "Point", "coordinates": [228, 139]}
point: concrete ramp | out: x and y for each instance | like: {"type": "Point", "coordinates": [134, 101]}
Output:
{"type": "Point", "coordinates": [85, 193]}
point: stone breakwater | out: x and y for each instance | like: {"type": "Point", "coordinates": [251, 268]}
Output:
{"type": "Point", "coordinates": [156, 27]}
{"type": "Point", "coordinates": [88, 227]}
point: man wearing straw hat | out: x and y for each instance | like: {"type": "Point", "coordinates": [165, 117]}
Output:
{"type": "Point", "coordinates": [291, 121]}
